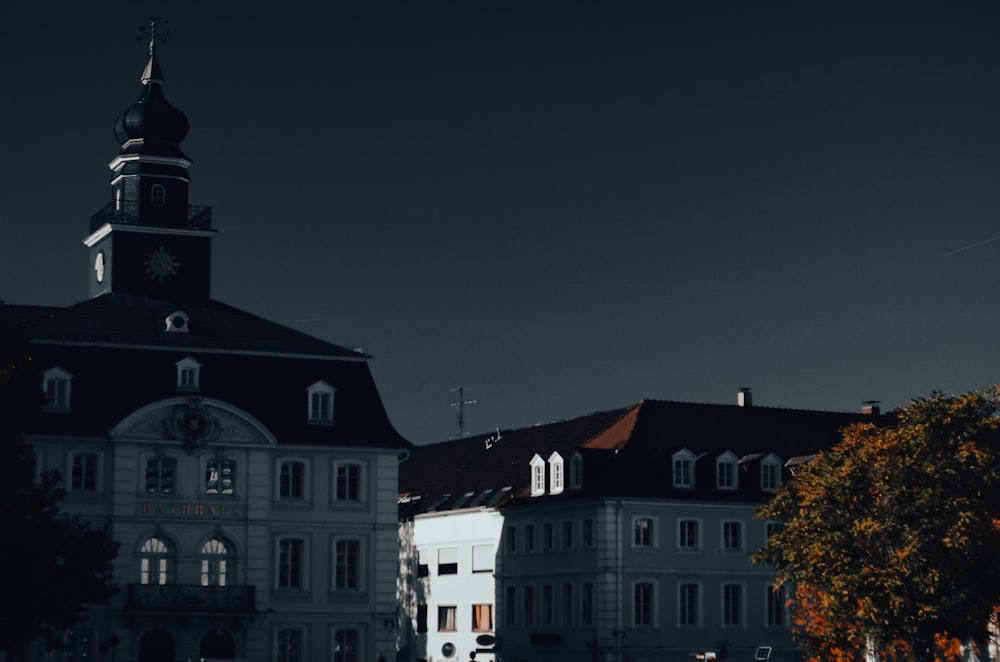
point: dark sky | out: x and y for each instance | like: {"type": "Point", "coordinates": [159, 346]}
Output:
{"type": "Point", "coordinates": [564, 207]}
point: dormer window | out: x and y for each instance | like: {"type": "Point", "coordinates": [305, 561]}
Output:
{"type": "Point", "coordinates": [188, 374]}
{"type": "Point", "coordinates": [56, 387]}
{"type": "Point", "coordinates": [575, 471]}
{"type": "Point", "coordinates": [770, 473]}
{"type": "Point", "coordinates": [684, 468]}
{"type": "Point", "coordinates": [158, 195]}
{"type": "Point", "coordinates": [556, 473]}
{"type": "Point", "coordinates": [320, 403]}
{"type": "Point", "coordinates": [537, 476]}
{"type": "Point", "coordinates": [725, 471]}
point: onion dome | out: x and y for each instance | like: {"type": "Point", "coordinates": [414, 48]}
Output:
{"type": "Point", "coordinates": [155, 126]}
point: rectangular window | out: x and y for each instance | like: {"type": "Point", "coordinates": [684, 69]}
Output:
{"type": "Point", "coordinates": [726, 477]}
{"type": "Point", "coordinates": [160, 474]}
{"type": "Point", "coordinates": [732, 536]}
{"type": "Point", "coordinates": [422, 565]}
{"type": "Point", "coordinates": [79, 645]}
{"type": "Point", "coordinates": [511, 539]}
{"type": "Point", "coordinates": [529, 605]}
{"type": "Point", "coordinates": [290, 562]}
{"type": "Point", "coordinates": [346, 570]}
{"type": "Point", "coordinates": [446, 618]}
{"type": "Point", "coordinates": [587, 604]}
{"type": "Point", "coordinates": [321, 407]}
{"type": "Point", "coordinates": [588, 533]}
{"type": "Point", "coordinates": [219, 476]}
{"type": "Point", "coordinates": [567, 535]}
{"type": "Point", "coordinates": [448, 561]}
{"type": "Point", "coordinates": [421, 618]}
{"type": "Point", "coordinates": [775, 606]}
{"type": "Point", "coordinates": [643, 601]}
{"type": "Point", "coordinates": [291, 481]}
{"type": "Point", "coordinates": [482, 618]}
{"type": "Point", "coordinates": [687, 612]}
{"type": "Point", "coordinates": [687, 534]}
{"type": "Point", "coordinates": [770, 476]}
{"type": "Point", "coordinates": [682, 473]}
{"type": "Point", "coordinates": [84, 474]}
{"type": "Point", "coordinates": [345, 646]}
{"type": "Point", "coordinates": [482, 558]}
{"type": "Point", "coordinates": [56, 393]}
{"type": "Point", "coordinates": [510, 606]}
{"type": "Point", "coordinates": [549, 536]}
{"type": "Point", "coordinates": [547, 604]}
{"type": "Point", "coordinates": [567, 604]}
{"type": "Point", "coordinates": [529, 538]}
{"type": "Point", "coordinates": [732, 604]}
{"type": "Point", "coordinates": [289, 646]}
{"type": "Point", "coordinates": [348, 482]}
{"type": "Point", "coordinates": [642, 535]}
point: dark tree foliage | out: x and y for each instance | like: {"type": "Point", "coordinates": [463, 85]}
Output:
{"type": "Point", "coordinates": [51, 564]}
{"type": "Point", "coordinates": [890, 537]}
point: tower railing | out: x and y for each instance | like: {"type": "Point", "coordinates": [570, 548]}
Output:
{"type": "Point", "coordinates": [198, 217]}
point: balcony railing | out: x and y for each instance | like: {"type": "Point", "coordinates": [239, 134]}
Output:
{"type": "Point", "coordinates": [198, 217]}
{"type": "Point", "coordinates": [191, 599]}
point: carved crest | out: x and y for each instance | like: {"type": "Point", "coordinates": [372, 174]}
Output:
{"type": "Point", "coordinates": [193, 424]}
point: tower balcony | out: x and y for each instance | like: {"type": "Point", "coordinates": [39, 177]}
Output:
{"type": "Point", "coordinates": [176, 598]}
{"type": "Point", "coordinates": [197, 217]}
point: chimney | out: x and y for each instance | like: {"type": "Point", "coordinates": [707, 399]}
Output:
{"type": "Point", "coordinates": [870, 408]}
{"type": "Point", "coordinates": [744, 398]}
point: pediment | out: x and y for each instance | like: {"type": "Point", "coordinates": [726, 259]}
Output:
{"type": "Point", "coordinates": [193, 421]}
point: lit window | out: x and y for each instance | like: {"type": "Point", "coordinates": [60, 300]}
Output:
{"type": "Point", "coordinates": [158, 195]}
{"type": "Point", "coordinates": [732, 536]}
{"type": "Point", "coordinates": [56, 388]}
{"type": "Point", "coordinates": [83, 472]}
{"type": "Point", "coordinates": [160, 474]}
{"type": "Point", "coordinates": [732, 604]}
{"type": "Point", "coordinates": [155, 561]}
{"type": "Point", "coordinates": [482, 618]}
{"type": "Point", "coordinates": [216, 563]}
{"type": "Point", "coordinates": [726, 475]}
{"type": "Point", "coordinates": [556, 472]}
{"type": "Point", "coordinates": [291, 480]}
{"type": "Point", "coordinates": [345, 646]}
{"type": "Point", "coordinates": [320, 403]}
{"type": "Point", "coordinates": [537, 476]}
{"type": "Point", "coordinates": [347, 569]}
{"type": "Point", "coordinates": [642, 614]}
{"type": "Point", "coordinates": [289, 646]}
{"type": "Point", "coordinates": [188, 374]}
{"type": "Point", "coordinates": [291, 562]}
{"type": "Point", "coordinates": [687, 608]}
{"type": "Point", "coordinates": [446, 618]}
{"type": "Point", "coordinates": [684, 469]}
{"type": "Point", "coordinates": [220, 474]}
{"type": "Point", "coordinates": [348, 482]}
{"type": "Point", "coordinates": [688, 534]}
{"type": "Point", "coordinates": [642, 532]}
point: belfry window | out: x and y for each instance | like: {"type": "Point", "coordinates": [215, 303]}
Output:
{"type": "Point", "coordinates": [158, 195]}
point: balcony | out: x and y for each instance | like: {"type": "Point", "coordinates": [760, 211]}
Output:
{"type": "Point", "coordinates": [174, 598]}
{"type": "Point", "coordinates": [197, 217]}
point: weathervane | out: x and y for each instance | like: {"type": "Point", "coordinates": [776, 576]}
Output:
{"type": "Point", "coordinates": [461, 409]}
{"type": "Point", "coordinates": [149, 32]}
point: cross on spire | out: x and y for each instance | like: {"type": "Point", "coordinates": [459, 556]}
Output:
{"type": "Point", "coordinates": [144, 32]}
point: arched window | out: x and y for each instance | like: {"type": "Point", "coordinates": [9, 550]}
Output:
{"type": "Point", "coordinates": [158, 195]}
{"type": "Point", "coordinates": [345, 646]}
{"type": "Point", "coordinates": [155, 562]}
{"type": "Point", "coordinates": [216, 563]}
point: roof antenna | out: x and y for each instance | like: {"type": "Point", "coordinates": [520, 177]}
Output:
{"type": "Point", "coordinates": [461, 409]}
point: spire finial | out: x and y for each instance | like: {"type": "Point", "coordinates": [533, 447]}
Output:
{"type": "Point", "coordinates": [152, 72]}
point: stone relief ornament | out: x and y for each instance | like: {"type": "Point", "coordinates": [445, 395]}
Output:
{"type": "Point", "coordinates": [193, 424]}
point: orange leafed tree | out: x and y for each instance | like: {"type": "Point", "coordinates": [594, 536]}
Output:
{"type": "Point", "coordinates": [890, 537]}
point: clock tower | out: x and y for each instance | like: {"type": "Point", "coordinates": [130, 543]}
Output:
{"type": "Point", "coordinates": [148, 241]}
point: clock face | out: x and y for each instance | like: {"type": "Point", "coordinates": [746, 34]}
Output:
{"type": "Point", "coordinates": [161, 264]}
{"type": "Point", "coordinates": [99, 266]}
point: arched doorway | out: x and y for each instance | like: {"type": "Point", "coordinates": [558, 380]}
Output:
{"type": "Point", "coordinates": [156, 646]}
{"type": "Point", "coordinates": [218, 644]}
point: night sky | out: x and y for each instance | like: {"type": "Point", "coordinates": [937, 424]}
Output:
{"type": "Point", "coordinates": [563, 207]}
